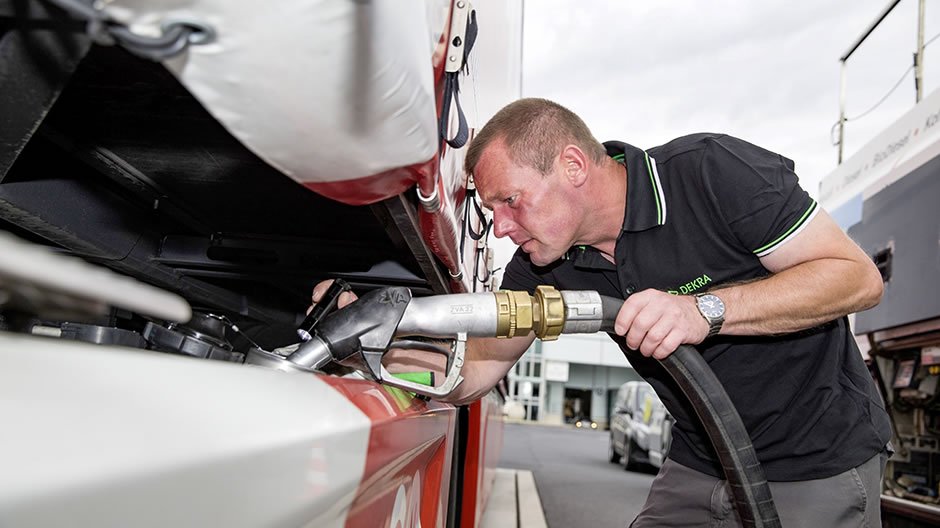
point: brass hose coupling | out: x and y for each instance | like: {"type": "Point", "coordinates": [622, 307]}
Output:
{"type": "Point", "coordinates": [518, 313]}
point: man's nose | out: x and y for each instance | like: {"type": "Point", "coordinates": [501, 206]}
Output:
{"type": "Point", "coordinates": [502, 225]}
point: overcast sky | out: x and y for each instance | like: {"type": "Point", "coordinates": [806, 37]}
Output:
{"type": "Point", "coordinates": [767, 71]}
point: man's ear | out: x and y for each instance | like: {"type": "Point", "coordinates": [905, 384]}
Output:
{"type": "Point", "coordinates": [574, 164]}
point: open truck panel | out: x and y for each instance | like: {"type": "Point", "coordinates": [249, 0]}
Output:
{"type": "Point", "coordinates": [289, 142]}
{"type": "Point", "coordinates": [886, 197]}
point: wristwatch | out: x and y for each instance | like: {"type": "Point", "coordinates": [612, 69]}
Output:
{"type": "Point", "coordinates": [712, 309]}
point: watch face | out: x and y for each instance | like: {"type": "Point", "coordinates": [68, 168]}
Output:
{"type": "Point", "coordinates": [711, 306]}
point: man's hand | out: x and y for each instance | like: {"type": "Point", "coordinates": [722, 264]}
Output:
{"type": "Point", "coordinates": [655, 323]}
{"type": "Point", "coordinates": [345, 298]}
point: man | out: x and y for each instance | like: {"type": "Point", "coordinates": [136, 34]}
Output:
{"type": "Point", "coordinates": [711, 242]}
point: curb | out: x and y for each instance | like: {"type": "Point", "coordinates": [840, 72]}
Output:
{"type": "Point", "coordinates": [531, 514]}
{"type": "Point", "coordinates": [514, 501]}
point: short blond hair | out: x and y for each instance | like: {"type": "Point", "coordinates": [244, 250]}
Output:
{"type": "Point", "coordinates": [534, 130]}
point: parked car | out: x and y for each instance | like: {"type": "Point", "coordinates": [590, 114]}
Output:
{"type": "Point", "coordinates": [640, 428]}
{"type": "Point", "coordinates": [585, 423]}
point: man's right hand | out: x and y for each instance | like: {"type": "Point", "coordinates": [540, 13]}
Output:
{"type": "Point", "coordinates": [345, 298]}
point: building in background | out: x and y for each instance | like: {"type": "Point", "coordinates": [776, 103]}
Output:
{"type": "Point", "coordinates": [576, 376]}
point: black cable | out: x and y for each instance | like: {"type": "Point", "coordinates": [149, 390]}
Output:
{"type": "Point", "coordinates": [487, 272]}
{"type": "Point", "coordinates": [883, 99]}
{"type": "Point", "coordinates": [879, 103]}
{"type": "Point", "coordinates": [891, 91]}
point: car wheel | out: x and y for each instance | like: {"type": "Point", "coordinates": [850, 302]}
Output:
{"type": "Point", "coordinates": [612, 451]}
{"type": "Point", "coordinates": [629, 448]}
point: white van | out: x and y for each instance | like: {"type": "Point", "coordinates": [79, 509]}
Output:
{"type": "Point", "coordinates": [640, 427]}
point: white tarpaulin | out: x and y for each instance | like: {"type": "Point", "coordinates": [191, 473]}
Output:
{"type": "Point", "coordinates": [323, 90]}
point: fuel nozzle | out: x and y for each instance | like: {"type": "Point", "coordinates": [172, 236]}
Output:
{"type": "Point", "coordinates": [359, 335]}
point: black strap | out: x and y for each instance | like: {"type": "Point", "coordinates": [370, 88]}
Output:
{"type": "Point", "coordinates": [452, 89]}
{"type": "Point", "coordinates": [468, 227]}
{"type": "Point", "coordinates": [487, 224]}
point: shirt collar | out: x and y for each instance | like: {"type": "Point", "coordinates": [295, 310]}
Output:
{"type": "Point", "coordinates": [645, 204]}
{"type": "Point", "coordinates": [589, 258]}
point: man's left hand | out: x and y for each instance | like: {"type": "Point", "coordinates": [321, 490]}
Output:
{"type": "Point", "coordinates": [655, 323]}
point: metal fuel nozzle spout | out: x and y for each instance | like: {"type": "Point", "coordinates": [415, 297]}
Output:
{"type": "Point", "coordinates": [359, 335]}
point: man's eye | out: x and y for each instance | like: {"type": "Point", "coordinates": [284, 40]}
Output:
{"type": "Point", "coordinates": [511, 200]}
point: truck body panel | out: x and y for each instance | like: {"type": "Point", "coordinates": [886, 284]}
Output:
{"type": "Point", "coordinates": [885, 198]}
{"type": "Point", "coordinates": [194, 175]}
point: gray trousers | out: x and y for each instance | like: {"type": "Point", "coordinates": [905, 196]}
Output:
{"type": "Point", "coordinates": [681, 496]}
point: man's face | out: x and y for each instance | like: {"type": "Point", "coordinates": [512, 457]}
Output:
{"type": "Point", "coordinates": [533, 210]}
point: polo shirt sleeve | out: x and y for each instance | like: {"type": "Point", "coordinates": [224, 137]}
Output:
{"type": "Point", "coordinates": [756, 193]}
{"type": "Point", "coordinates": [519, 275]}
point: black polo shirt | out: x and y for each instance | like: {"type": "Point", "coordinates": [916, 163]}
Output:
{"type": "Point", "coordinates": [700, 211]}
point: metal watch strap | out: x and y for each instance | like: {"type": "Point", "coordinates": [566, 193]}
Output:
{"type": "Point", "coordinates": [714, 326]}
{"type": "Point", "coordinates": [714, 323]}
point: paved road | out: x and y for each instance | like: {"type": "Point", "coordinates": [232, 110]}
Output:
{"type": "Point", "coordinates": [576, 483]}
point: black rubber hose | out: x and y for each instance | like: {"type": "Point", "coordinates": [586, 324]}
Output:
{"type": "Point", "coordinates": [749, 488]}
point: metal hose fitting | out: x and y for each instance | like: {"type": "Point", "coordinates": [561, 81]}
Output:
{"type": "Point", "coordinates": [549, 313]}
{"type": "Point", "coordinates": [519, 313]}
{"type": "Point", "coordinates": [513, 313]}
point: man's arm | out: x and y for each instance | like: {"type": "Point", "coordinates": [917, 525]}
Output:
{"type": "Point", "coordinates": [818, 276]}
